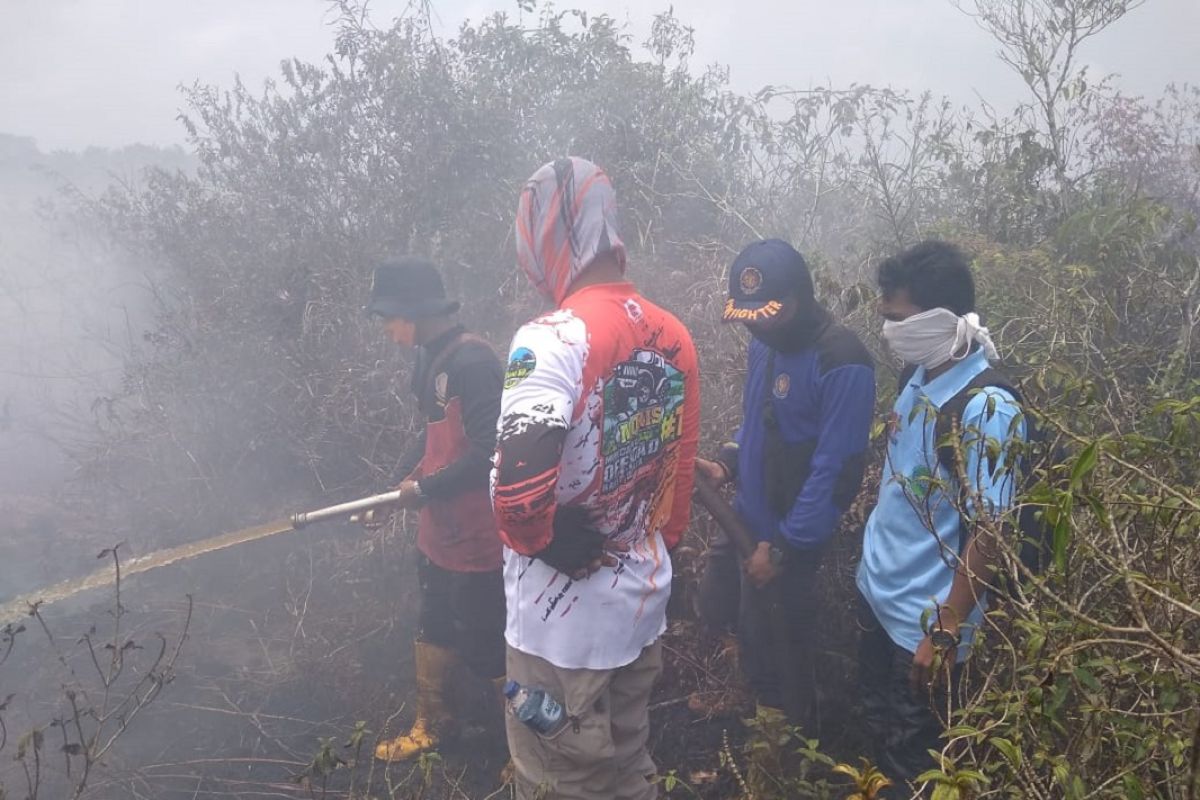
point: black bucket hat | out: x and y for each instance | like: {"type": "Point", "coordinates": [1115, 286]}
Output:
{"type": "Point", "coordinates": [410, 288]}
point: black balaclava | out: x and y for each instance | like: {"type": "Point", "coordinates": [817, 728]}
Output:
{"type": "Point", "coordinates": [800, 331]}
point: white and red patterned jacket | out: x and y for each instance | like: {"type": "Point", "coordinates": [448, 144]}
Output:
{"type": "Point", "coordinates": [600, 410]}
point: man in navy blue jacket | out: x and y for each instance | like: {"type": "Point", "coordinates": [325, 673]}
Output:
{"type": "Point", "coordinates": [797, 460]}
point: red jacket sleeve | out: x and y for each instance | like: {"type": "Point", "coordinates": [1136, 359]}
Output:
{"type": "Point", "coordinates": [685, 464]}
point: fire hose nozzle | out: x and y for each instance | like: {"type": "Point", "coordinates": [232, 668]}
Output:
{"type": "Point", "coordinates": [351, 509]}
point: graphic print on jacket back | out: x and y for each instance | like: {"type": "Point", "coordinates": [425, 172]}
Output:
{"type": "Point", "coordinates": [643, 413]}
{"type": "Point", "coordinates": [600, 411]}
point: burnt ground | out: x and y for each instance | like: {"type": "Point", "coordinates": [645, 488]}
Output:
{"type": "Point", "coordinates": [295, 639]}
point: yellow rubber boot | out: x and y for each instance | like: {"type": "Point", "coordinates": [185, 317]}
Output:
{"type": "Point", "coordinates": [434, 666]}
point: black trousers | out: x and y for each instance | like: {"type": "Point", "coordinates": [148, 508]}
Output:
{"type": "Point", "coordinates": [464, 612]}
{"type": "Point", "coordinates": [730, 601]}
{"type": "Point", "coordinates": [903, 725]}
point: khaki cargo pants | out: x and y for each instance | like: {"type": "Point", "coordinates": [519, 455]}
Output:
{"type": "Point", "coordinates": [601, 753]}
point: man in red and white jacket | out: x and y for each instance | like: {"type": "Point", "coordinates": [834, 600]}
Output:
{"type": "Point", "coordinates": [591, 488]}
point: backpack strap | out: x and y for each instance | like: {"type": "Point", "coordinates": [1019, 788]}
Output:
{"type": "Point", "coordinates": [948, 428]}
{"type": "Point", "coordinates": [951, 412]}
{"type": "Point", "coordinates": [770, 420]}
{"type": "Point", "coordinates": [948, 431]}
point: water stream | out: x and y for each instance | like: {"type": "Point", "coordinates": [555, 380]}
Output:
{"type": "Point", "coordinates": [16, 609]}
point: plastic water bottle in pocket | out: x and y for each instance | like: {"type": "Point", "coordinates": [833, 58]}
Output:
{"type": "Point", "coordinates": [535, 708]}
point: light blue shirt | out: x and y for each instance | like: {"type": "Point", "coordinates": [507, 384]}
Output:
{"type": "Point", "coordinates": [912, 539]}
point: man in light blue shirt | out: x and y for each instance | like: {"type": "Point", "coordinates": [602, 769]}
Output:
{"type": "Point", "coordinates": [925, 567]}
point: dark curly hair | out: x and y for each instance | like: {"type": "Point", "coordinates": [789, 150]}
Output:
{"type": "Point", "coordinates": [935, 274]}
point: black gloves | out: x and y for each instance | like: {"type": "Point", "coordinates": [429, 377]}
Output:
{"type": "Point", "coordinates": [575, 545]}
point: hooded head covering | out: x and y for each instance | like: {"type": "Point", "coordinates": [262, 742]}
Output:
{"type": "Point", "coordinates": [566, 217]}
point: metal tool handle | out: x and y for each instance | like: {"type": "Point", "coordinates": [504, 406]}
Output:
{"type": "Point", "coordinates": [345, 509]}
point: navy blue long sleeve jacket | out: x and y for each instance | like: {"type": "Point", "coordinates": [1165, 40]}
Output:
{"type": "Point", "coordinates": [825, 393]}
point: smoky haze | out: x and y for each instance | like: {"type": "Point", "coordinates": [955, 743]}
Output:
{"type": "Point", "coordinates": [70, 304]}
{"type": "Point", "coordinates": [72, 308]}
{"type": "Point", "coordinates": [183, 350]}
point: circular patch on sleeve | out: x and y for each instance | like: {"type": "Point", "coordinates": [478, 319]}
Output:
{"type": "Point", "coordinates": [521, 364]}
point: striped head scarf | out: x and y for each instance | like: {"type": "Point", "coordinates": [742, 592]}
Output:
{"type": "Point", "coordinates": [566, 217]}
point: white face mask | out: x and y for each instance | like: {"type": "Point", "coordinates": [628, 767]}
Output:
{"type": "Point", "coordinates": [936, 336]}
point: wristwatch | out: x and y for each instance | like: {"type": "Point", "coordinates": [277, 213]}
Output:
{"type": "Point", "coordinates": [943, 639]}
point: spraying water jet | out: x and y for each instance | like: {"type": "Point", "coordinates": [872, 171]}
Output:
{"type": "Point", "coordinates": [356, 510]}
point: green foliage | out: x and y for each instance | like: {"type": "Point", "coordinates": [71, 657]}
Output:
{"type": "Point", "coordinates": [1088, 683]}
{"type": "Point", "coordinates": [782, 762]}
{"type": "Point", "coordinates": [951, 783]}
{"type": "Point", "coordinates": [326, 760]}
{"type": "Point", "coordinates": [869, 782]}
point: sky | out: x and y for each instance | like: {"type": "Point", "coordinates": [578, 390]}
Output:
{"type": "Point", "coordinates": [106, 72]}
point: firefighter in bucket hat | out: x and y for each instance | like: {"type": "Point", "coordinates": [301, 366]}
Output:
{"type": "Point", "coordinates": [457, 381]}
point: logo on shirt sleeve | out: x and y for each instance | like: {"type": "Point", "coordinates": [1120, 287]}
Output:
{"type": "Point", "coordinates": [521, 365]}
